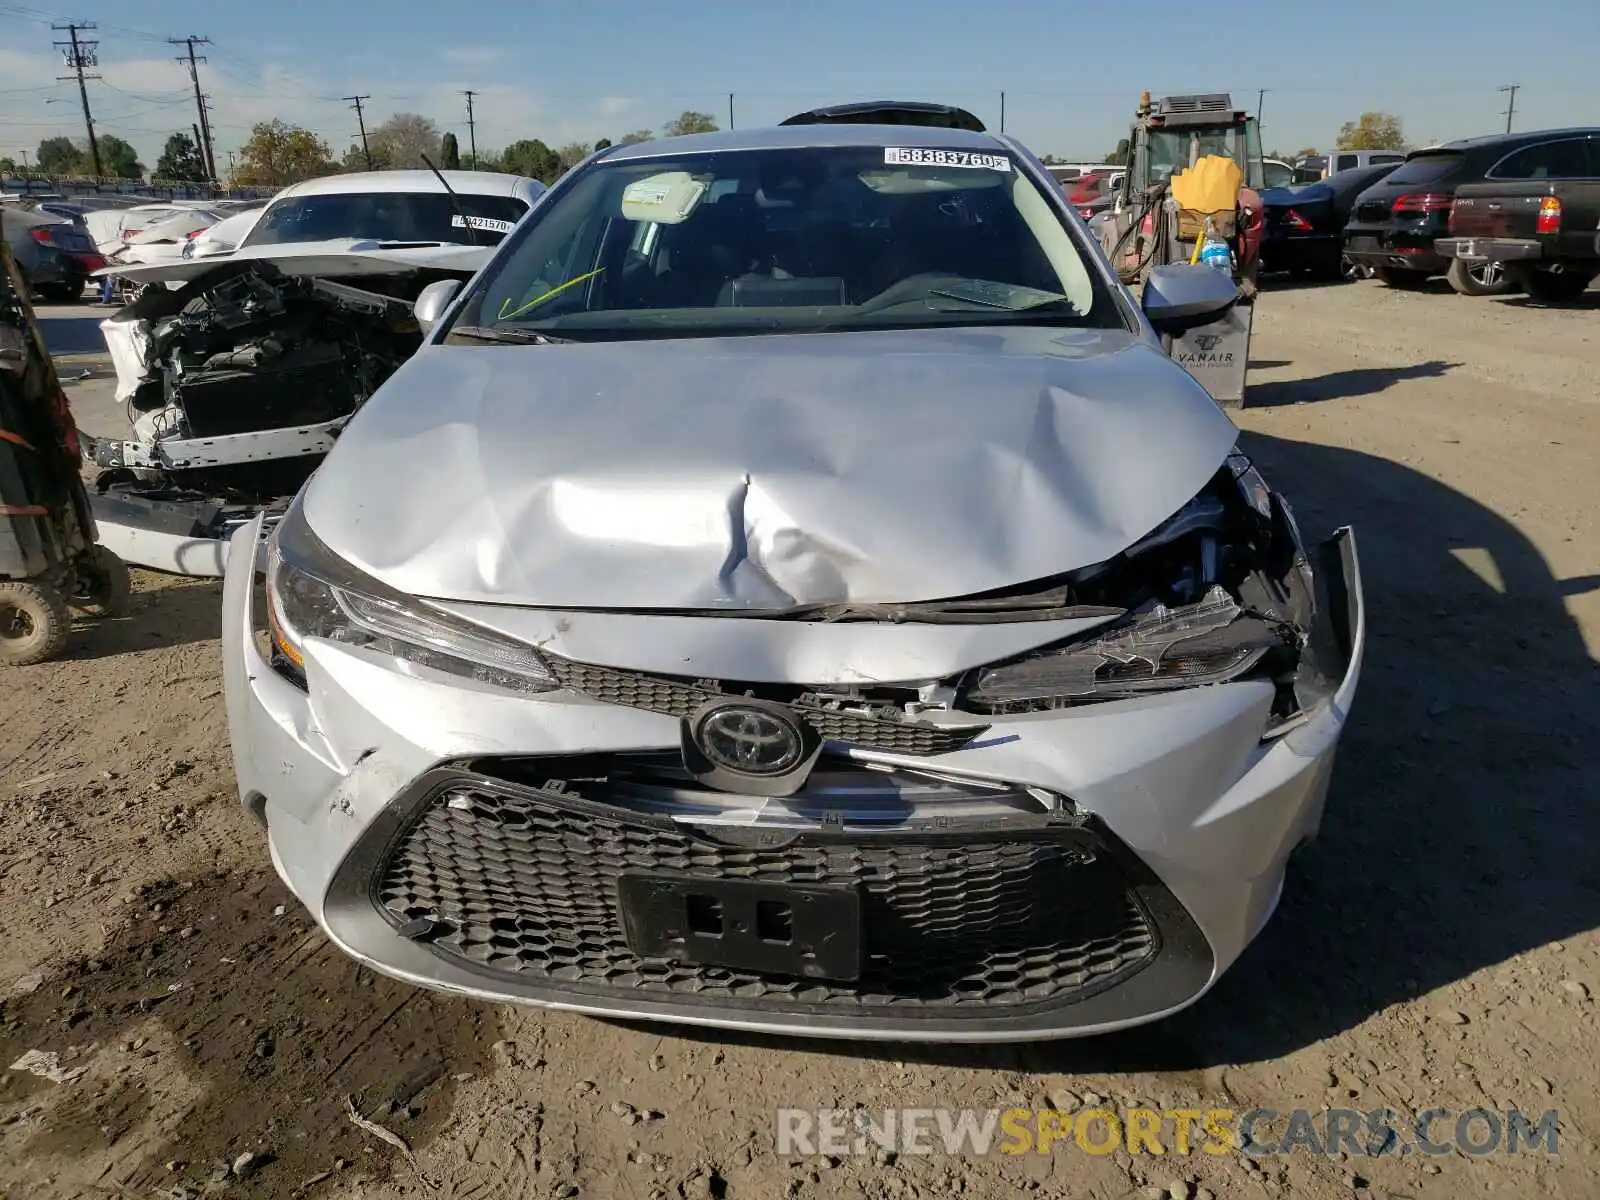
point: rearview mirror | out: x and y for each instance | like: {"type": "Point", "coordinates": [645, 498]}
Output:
{"type": "Point", "coordinates": [1180, 297]}
{"type": "Point", "coordinates": [434, 299]}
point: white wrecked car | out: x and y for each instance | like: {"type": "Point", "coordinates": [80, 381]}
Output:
{"type": "Point", "coordinates": [237, 382]}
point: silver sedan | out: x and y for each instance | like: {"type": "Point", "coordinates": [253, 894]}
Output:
{"type": "Point", "coordinates": [793, 589]}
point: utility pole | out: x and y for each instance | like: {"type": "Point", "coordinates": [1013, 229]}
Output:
{"type": "Point", "coordinates": [79, 55]}
{"type": "Point", "coordinates": [230, 168]}
{"type": "Point", "coordinates": [199, 101]}
{"type": "Point", "coordinates": [1261, 103]}
{"type": "Point", "coordinates": [472, 129]}
{"type": "Point", "coordinates": [1511, 108]}
{"type": "Point", "coordinates": [730, 110]}
{"type": "Point", "coordinates": [1002, 112]}
{"type": "Point", "coordinates": [361, 122]}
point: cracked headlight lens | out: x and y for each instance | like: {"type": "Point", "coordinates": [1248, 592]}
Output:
{"type": "Point", "coordinates": [1211, 641]}
{"type": "Point", "coordinates": [312, 593]}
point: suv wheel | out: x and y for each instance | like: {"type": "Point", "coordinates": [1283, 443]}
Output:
{"type": "Point", "coordinates": [1478, 279]}
{"type": "Point", "coordinates": [1552, 287]}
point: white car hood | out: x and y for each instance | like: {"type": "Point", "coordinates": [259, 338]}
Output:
{"type": "Point", "coordinates": [326, 260]}
{"type": "Point", "coordinates": [765, 472]}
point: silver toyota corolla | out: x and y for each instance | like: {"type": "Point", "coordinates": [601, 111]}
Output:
{"type": "Point", "coordinates": [792, 589]}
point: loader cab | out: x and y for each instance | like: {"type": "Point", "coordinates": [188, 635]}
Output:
{"type": "Point", "coordinates": [1171, 134]}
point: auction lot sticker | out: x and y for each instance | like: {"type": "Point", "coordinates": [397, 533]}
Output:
{"type": "Point", "coordinates": [906, 156]}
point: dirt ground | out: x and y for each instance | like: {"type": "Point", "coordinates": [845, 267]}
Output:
{"type": "Point", "coordinates": [1437, 946]}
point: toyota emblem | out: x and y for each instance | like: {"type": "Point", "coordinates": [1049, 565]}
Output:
{"type": "Point", "coordinates": [749, 740]}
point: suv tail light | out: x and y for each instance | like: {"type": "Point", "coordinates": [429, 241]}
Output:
{"type": "Point", "coordinates": [1422, 203]}
{"type": "Point", "coordinates": [42, 235]}
{"type": "Point", "coordinates": [1293, 220]}
{"type": "Point", "coordinates": [1549, 215]}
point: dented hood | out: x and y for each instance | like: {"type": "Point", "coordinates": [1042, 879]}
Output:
{"type": "Point", "coordinates": [764, 472]}
{"type": "Point", "coordinates": [326, 260]}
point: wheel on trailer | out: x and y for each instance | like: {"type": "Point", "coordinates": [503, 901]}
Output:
{"type": "Point", "coordinates": [1552, 287]}
{"type": "Point", "coordinates": [103, 584]}
{"type": "Point", "coordinates": [1403, 277]}
{"type": "Point", "coordinates": [1478, 279]}
{"type": "Point", "coordinates": [34, 623]}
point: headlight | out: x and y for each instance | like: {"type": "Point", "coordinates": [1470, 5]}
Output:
{"type": "Point", "coordinates": [311, 593]}
{"type": "Point", "coordinates": [1212, 641]}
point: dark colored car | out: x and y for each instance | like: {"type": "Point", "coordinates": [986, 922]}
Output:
{"type": "Point", "coordinates": [1397, 222]}
{"type": "Point", "coordinates": [1304, 224]}
{"type": "Point", "coordinates": [55, 256]}
{"type": "Point", "coordinates": [1536, 214]}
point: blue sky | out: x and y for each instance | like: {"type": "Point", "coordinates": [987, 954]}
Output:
{"type": "Point", "coordinates": [581, 69]}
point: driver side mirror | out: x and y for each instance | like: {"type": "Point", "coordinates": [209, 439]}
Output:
{"type": "Point", "coordinates": [432, 301]}
{"type": "Point", "coordinates": [1181, 297]}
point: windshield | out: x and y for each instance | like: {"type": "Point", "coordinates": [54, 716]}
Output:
{"type": "Point", "coordinates": [1173, 150]}
{"type": "Point", "coordinates": [806, 240]}
{"type": "Point", "coordinates": [387, 217]}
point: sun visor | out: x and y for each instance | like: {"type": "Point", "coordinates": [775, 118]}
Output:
{"type": "Point", "coordinates": [666, 199]}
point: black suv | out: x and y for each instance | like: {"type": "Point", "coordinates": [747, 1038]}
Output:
{"type": "Point", "coordinates": [1396, 223]}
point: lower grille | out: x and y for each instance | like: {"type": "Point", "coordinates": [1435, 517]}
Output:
{"type": "Point", "coordinates": [522, 882]}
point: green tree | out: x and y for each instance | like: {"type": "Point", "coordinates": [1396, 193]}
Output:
{"type": "Point", "coordinates": [7, 166]}
{"type": "Point", "coordinates": [450, 153]}
{"type": "Point", "coordinates": [58, 156]}
{"type": "Point", "coordinates": [1372, 131]}
{"type": "Point", "coordinates": [118, 158]}
{"type": "Point", "coordinates": [689, 121]}
{"type": "Point", "coordinates": [357, 159]}
{"type": "Point", "coordinates": [181, 159]}
{"type": "Point", "coordinates": [402, 140]}
{"type": "Point", "coordinates": [571, 155]}
{"type": "Point", "coordinates": [602, 144]}
{"type": "Point", "coordinates": [532, 158]}
{"type": "Point", "coordinates": [638, 135]}
{"type": "Point", "coordinates": [277, 153]}
{"type": "Point", "coordinates": [1119, 156]}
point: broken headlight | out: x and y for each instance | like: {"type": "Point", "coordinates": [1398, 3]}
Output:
{"type": "Point", "coordinates": [1218, 590]}
{"type": "Point", "coordinates": [1211, 641]}
{"type": "Point", "coordinates": [312, 593]}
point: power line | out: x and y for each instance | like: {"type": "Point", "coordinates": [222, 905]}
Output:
{"type": "Point", "coordinates": [472, 128]}
{"type": "Point", "coordinates": [78, 56]}
{"type": "Point", "coordinates": [207, 156]}
{"type": "Point", "coordinates": [361, 120]}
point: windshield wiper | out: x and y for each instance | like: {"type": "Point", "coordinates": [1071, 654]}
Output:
{"type": "Point", "coordinates": [509, 334]}
{"type": "Point", "coordinates": [1012, 304]}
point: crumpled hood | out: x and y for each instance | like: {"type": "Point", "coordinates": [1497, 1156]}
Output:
{"type": "Point", "coordinates": [764, 472]}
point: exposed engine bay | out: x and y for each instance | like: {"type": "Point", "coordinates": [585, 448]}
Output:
{"type": "Point", "coordinates": [236, 385]}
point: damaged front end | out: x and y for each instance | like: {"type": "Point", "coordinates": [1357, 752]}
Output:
{"type": "Point", "coordinates": [236, 385]}
{"type": "Point", "coordinates": [1223, 590]}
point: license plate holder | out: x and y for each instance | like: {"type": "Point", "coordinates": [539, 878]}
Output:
{"type": "Point", "coordinates": [799, 930]}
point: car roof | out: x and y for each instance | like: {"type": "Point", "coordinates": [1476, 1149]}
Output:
{"type": "Point", "coordinates": [798, 137]}
{"type": "Point", "coordinates": [1511, 139]}
{"type": "Point", "coordinates": [473, 183]}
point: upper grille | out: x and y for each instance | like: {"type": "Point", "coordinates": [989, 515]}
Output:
{"type": "Point", "coordinates": [680, 698]}
{"type": "Point", "coordinates": [523, 882]}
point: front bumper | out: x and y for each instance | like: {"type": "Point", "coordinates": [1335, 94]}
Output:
{"type": "Point", "coordinates": [390, 796]}
{"type": "Point", "coordinates": [1489, 249]}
